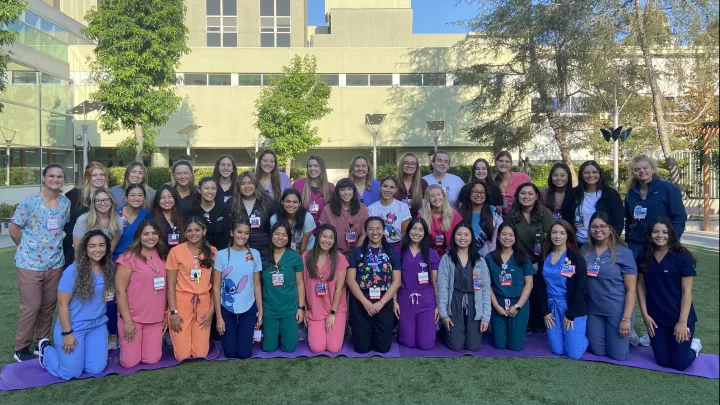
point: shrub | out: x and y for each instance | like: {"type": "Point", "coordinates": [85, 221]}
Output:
{"type": "Point", "coordinates": [22, 176]}
{"type": "Point", "coordinates": [298, 173]}
{"type": "Point", "coordinates": [7, 210]}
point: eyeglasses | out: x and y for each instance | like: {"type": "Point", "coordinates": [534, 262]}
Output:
{"type": "Point", "coordinates": [104, 201]}
{"type": "Point", "coordinates": [475, 192]}
{"type": "Point", "coordinates": [599, 227]}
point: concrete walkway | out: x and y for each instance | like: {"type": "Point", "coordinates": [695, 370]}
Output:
{"type": "Point", "coordinates": [5, 241]}
{"type": "Point", "coordinates": [709, 240]}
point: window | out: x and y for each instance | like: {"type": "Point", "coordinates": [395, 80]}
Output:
{"type": "Point", "coordinates": [219, 79]}
{"type": "Point", "coordinates": [250, 80]}
{"type": "Point", "coordinates": [195, 79]}
{"type": "Point", "coordinates": [275, 23]}
{"type": "Point", "coordinates": [221, 23]}
{"type": "Point", "coordinates": [331, 79]}
{"type": "Point", "coordinates": [414, 79]}
{"type": "Point", "coordinates": [24, 78]}
{"type": "Point", "coordinates": [266, 78]}
{"type": "Point", "coordinates": [356, 80]}
{"type": "Point", "coordinates": [434, 79]}
{"type": "Point", "coordinates": [381, 80]}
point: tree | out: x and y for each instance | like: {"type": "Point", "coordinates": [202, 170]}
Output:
{"type": "Point", "coordinates": [139, 46]}
{"type": "Point", "coordinates": [10, 11]}
{"type": "Point", "coordinates": [539, 50]}
{"type": "Point", "coordinates": [287, 107]}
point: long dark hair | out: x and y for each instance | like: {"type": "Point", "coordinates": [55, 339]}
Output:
{"type": "Point", "coordinates": [336, 201]}
{"type": "Point", "coordinates": [197, 203]}
{"type": "Point", "coordinates": [518, 256]}
{"type": "Point", "coordinates": [536, 215]}
{"type": "Point", "coordinates": [282, 215]}
{"type": "Point", "coordinates": [84, 287]}
{"type": "Point", "coordinates": [551, 189]}
{"type": "Point", "coordinates": [136, 245]}
{"type": "Point", "coordinates": [312, 255]}
{"type": "Point", "coordinates": [424, 243]}
{"type": "Point", "coordinates": [278, 224]}
{"type": "Point", "coordinates": [581, 181]}
{"type": "Point", "coordinates": [473, 254]}
{"type": "Point", "coordinates": [175, 215]}
{"type": "Point", "coordinates": [489, 179]}
{"type": "Point", "coordinates": [207, 258]}
{"type": "Point", "coordinates": [650, 248]}
{"type": "Point", "coordinates": [571, 243]}
{"type": "Point", "coordinates": [383, 242]}
{"type": "Point", "coordinates": [238, 222]}
{"type": "Point", "coordinates": [486, 215]}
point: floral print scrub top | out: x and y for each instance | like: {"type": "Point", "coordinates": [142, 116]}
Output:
{"type": "Point", "coordinates": [40, 246]}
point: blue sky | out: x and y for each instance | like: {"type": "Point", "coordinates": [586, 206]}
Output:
{"type": "Point", "coordinates": [430, 16]}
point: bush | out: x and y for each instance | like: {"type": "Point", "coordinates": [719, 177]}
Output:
{"type": "Point", "coordinates": [298, 173]}
{"type": "Point", "coordinates": [157, 176]}
{"type": "Point", "coordinates": [7, 210]}
{"type": "Point", "coordinates": [23, 176]}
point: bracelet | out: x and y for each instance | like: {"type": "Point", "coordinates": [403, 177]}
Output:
{"type": "Point", "coordinates": [66, 333]}
{"type": "Point", "coordinates": [625, 319]}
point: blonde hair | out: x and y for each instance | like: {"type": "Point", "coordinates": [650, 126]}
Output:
{"type": "Point", "coordinates": [368, 178]}
{"type": "Point", "coordinates": [632, 181]}
{"type": "Point", "coordinates": [93, 219]}
{"type": "Point", "coordinates": [446, 209]}
{"type": "Point", "coordinates": [130, 167]}
{"type": "Point", "coordinates": [174, 183]}
{"type": "Point", "coordinates": [87, 189]}
{"type": "Point", "coordinates": [416, 185]}
{"type": "Point", "coordinates": [322, 180]}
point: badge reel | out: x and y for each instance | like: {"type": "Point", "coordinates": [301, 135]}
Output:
{"type": "Point", "coordinates": [536, 246]}
{"type": "Point", "coordinates": [579, 221]}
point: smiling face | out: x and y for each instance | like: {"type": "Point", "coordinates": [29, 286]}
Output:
{"type": "Point", "coordinates": [280, 237]}
{"type": "Point", "coordinates": [96, 248]}
{"type": "Point", "coordinates": [135, 197]}
{"type": "Point", "coordinates": [102, 202]}
{"type": "Point", "coordinates": [54, 178]}
{"type": "Point", "coordinates": [527, 196]}
{"type": "Point", "coordinates": [441, 163]}
{"type": "Point", "coordinates": [346, 194]}
{"type": "Point", "coordinates": [247, 188]}
{"type": "Point", "coordinates": [137, 175]}
{"type": "Point", "coordinates": [208, 191]}
{"type": "Point", "coordinates": [182, 175]}
{"type": "Point", "coordinates": [417, 233]}
{"type": "Point", "coordinates": [225, 168]}
{"type": "Point", "coordinates": [643, 171]}
{"type": "Point", "coordinates": [591, 175]}
{"type": "Point", "coordinates": [240, 235]}
{"type": "Point", "coordinates": [507, 237]}
{"type": "Point", "coordinates": [291, 204]}
{"type": "Point", "coordinates": [481, 171]}
{"type": "Point", "coordinates": [194, 233]}
{"type": "Point", "coordinates": [463, 237]}
{"type": "Point", "coordinates": [503, 164]}
{"type": "Point", "coordinates": [326, 240]}
{"type": "Point", "coordinates": [558, 235]}
{"type": "Point", "coordinates": [599, 229]}
{"type": "Point", "coordinates": [313, 169]}
{"type": "Point", "coordinates": [478, 194]}
{"type": "Point", "coordinates": [97, 178]}
{"type": "Point", "coordinates": [388, 189]}
{"type": "Point", "coordinates": [360, 169]}
{"type": "Point", "coordinates": [167, 201]}
{"type": "Point", "coordinates": [409, 165]}
{"type": "Point", "coordinates": [149, 237]}
{"type": "Point", "coordinates": [660, 235]}
{"type": "Point", "coordinates": [436, 198]}
{"type": "Point", "coordinates": [267, 163]}
{"type": "Point", "coordinates": [375, 231]}
{"type": "Point", "coordinates": [560, 178]}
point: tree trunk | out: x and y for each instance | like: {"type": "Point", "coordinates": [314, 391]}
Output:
{"type": "Point", "coordinates": [287, 167]}
{"type": "Point", "coordinates": [657, 96]}
{"type": "Point", "coordinates": [140, 144]}
{"type": "Point", "coordinates": [559, 132]}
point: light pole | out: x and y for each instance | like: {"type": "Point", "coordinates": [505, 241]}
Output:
{"type": "Point", "coordinates": [614, 88]}
{"type": "Point", "coordinates": [187, 134]}
{"type": "Point", "coordinates": [84, 108]}
{"type": "Point", "coordinates": [373, 122]}
{"type": "Point", "coordinates": [436, 126]}
{"type": "Point", "coordinates": [8, 142]}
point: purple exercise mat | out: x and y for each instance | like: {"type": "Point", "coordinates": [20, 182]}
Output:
{"type": "Point", "coordinates": [29, 374]}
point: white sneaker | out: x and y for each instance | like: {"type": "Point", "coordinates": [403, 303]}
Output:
{"type": "Point", "coordinates": [645, 339]}
{"type": "Point", "coordinates": [695, 345]}
{"type": "Point", "coordinates": [42, 344]}
{"type": "Point", "coordinates": [634, 338]}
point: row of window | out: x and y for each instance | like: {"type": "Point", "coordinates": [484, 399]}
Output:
{"type": "Point", "coordinates": [222, 23]}
{"type": "Point", "coordinates": [332, 79]}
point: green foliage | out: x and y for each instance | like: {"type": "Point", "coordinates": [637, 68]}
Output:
{"type": "Point", "coordinates": [139, 46]}
{"type": "Point", "coordinates": [127, 147]}
{"type": "Point", "coordinates": [23, 176]}
{"type": "Point", "coordinates": [287, 107]}
{"type": "Point", "coordinates": [7, 210]}
{"type": "Point", "coordinates": [298, 173]}
{"type": "Point", "coordinates": [157, 176]}
{"type": "Point", "coordinates": [10, 10]}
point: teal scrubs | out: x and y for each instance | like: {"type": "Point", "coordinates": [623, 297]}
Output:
{"type": "Point", "coordinates": [280, 302]}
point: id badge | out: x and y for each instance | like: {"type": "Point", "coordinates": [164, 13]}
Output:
{"type": "Point", "coordinates": [505, 279]}
{"type": "Point", "coordinates": [278, 279]}
{"type": "Point", "coordinates": [293, 246]}
{"type": "Point", "coordinates": [254, 221]}
{"type": "Point", "coordinates": [579, 221]}
{"type": "Point", "coordinates": [109, 296]}
{"type": "Point", "coordinates": [423, 277]}
{"type": "Point", "coordinates": [195, 274]}
{"type": "Point", "coordinates": [568, 270]}
{"type": "Point", "coordinates": [321, 289]}
{"type": "Point", "coordinates": [556, 215]}
{"type": "Point", "coordinates": [173, 239]}
{"type": "Point", "coordinates": [52, 224]}
{"type": "Point", "coordinates": [640, 213]}
{"type": "Point", "coordinates": [505, 203]}
{"type": "Point", "coordinates": [407, 201]}
{"type": "Point", "coordinates": [593, 270]}
{"type": "Point", "coordinates": [159, 283]}
{"type": "Point", "coordinates": [314, 208]}
{"type": "Point", "coordinates": [477, 281]}
{"type": "Point", "coordinates": [375, 294]}
{"type": "Point", "coordinates": [350, 237]}
{"type": "Point", "coordinates": [439, 240]}
{"type": "Point", "coordinates": [536, 249]}
{"type": "Point", "coordinates": [257, 335]}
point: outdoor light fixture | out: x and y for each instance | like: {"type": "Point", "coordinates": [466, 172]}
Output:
{"type": "Point", "coordinates": [84, 108]}
{"type": "Point", "coordinates": [373, 122]}
{"type": "Point", "coordinates": [616, 132]}
{"type": "Point", "coordinates": [8, 142]}
{"type": "Point", "coordinates": [436, 126]}
{"type": "Point", "coordinates": [187, 134]}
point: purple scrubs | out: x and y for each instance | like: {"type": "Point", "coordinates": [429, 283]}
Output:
{"type": "Point", "coordinates": [284, 183]}
{"type": "Point", "coordinates": [416, 326]}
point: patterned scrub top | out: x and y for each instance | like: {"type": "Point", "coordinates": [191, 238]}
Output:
{"type": "Point", "coordinates": [40, 245]}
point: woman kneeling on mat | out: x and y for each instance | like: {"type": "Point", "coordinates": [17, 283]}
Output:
{"type": "Point", "coordinates": [373, 279]}
{"type": "Point", "coordinates": [511, 275]}
{"type": "Point", "coordinates": [562, 288]}
{"type": "Point", "coordinates": [189, 272]}
{"type": "Point", "coordinates": [141, 297]}
{"type": "Point", "coordinates": [283, 292]}
{"type": "Point", "coordinates": [324, 276]}
{"type": "Point", "coordinates": [80, 331]}
{"type": "Point", "coordinates": [464, 291]}
{"type": "Point", "coordinates": [666, 273]}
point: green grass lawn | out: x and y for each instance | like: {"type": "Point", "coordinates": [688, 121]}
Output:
{"type": "Point", "coordinates": [463, 380]}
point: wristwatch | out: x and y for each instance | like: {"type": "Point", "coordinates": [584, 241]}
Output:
{"type": "Point", "coordinates": [301, 307]}
{"type": "Point", "coordinates": [173, 312]}
{"type": "Point", "coordinates": [518, 307]}
{"type": "Point", "coordinates": [66, 333]}
{"type": "Point", "coordinates": [332, 312]}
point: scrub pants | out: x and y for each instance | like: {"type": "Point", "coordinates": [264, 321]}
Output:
{"type": "Point", "coordinates": [604, 338]}
{"type": "Point", "coordinates": [320, 340]}
{"type": "Point", "coordinates": [191, 340]}
{"type": "Point", "coordinates": [90, 354]}
{"type": "Point", "coordinates": [465, 332]}
{"type": "Point", "coordinates": [416, 326]}
{"type": "Point", "coordinates": [573, 342]}
{"type": "Point", "coordinates": [668, 352]}
{"type": "Point", "coordinates": [371, 332]}
{"type": "Point", "coordinates": [535, 320]}
{"type": "Point", "coordinates": [636, 248]}
{"type": "Point", "coordinates": [112, 315]}
{"type": "Point", "coordinates": [284, 330]}
{"type": "Point", "coordinates": [146, 347]}
{"type": "Point", "coordinates": [509, 332]}
{"type": "Point", "coordinates": [237, 342]}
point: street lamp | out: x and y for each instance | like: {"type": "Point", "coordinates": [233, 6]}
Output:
{"type": "Point", "coordinates": [373, 122]}
{"type": "Point", "coordinates": [84, 108]}
{"type": "Point", "coordinates": [436, 126]}
{"type": "Point", "coordinates": [187, 134]}
{"type": "Point", "coordinates": [8, 142]}
{"type": "Point", "coordinates": [614, 88]}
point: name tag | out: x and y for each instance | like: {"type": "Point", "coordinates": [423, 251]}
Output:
{"type": "Point", "coordinates": [423, 277]}
{"type": "Point", "coordinates": [320, 289]}
{"type": "Point", "coordinates": [159, 283]}
{"type": "Point", "coordinates": [195, 275]}
{"type": "Point", "coordinates": [257, 335]}
{"type": "Point", "coordinates": [447, 190]}
{"type": "Point", "coordinates": [314, 208]}
{"type": "Point", "coordinates": [173, 239]}
{"type": "Point", "coordinates": [536, 249]}
{"type": "Point", "coordinates": [579, 221]}
{"type": "Point", "coordinates": [477, 281]}
{"type": "Point", "coordinates": [375, 294]}
{"type": "Point", "coordinates": [639, 213]}
{"type": "Point", "coordinates": [505, 279]}
{"type": "Point", "coordinates": [293, 246]}
{"type": "Point", "coordinates": [52, 224]}
{"type": "Point", "coordinates": [407, 201]}
{"type": "Point", "coordinates": [556, 215]}
{"type": "Point", "coordinates": [350, 237]}
{"type": "Point", "coordinates": [593, 270]}
{"type": "Point", "coordinates": [278, 279]}
{"type": "Point", "coordinates": [439, 240]}
{"type": "Point", "coordinates": [109, 296]}
{"type": "Point", "coordinates": [505, 203]}
{"type": "Point", "coordinates": [254, 221]}
{"type": "Point", "coordinates": [567, 270]}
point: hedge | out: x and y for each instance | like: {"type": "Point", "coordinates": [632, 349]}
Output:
{"type": "Point", "coordinates": [7, 210]}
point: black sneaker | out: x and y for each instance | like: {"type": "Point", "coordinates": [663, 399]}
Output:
{"type": "Point", "coordinates": [23, 354]}
{"type": "Point", "coordinates": [42, 344]}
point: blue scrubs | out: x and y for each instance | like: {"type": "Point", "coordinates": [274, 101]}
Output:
{"type": "Point", "coordinates": [87, 320]}
{"type": "Point", "coordinates": [572, 342]}
{"type": "Point", "coordinates": [370, 196]}
{"type": "Point", "coordinates": [606, 303]}
{"type": "Point", "coordinates": [663, 293]}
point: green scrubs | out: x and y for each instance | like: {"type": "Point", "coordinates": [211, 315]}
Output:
{"type": "Point", "coordinates": [509, 332]}
{"type": "Point", "coordinates": [280, 302]}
